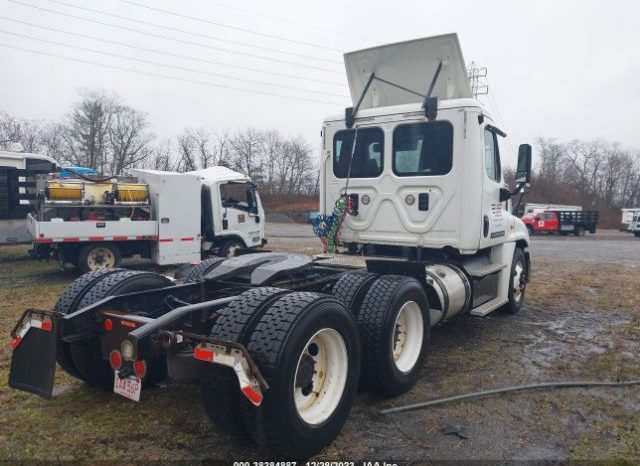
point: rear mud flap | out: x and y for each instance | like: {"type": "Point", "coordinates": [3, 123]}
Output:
{"type": "Point", "coordinates": [33, 363]}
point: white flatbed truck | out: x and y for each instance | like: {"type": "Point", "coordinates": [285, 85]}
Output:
{"type": "Point", "coordinates": [416, 219]}
{"type": "Point", "coordinates": [178, 218]}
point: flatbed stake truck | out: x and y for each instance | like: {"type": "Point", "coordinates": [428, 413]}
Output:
{"type": "Point", "coordinates": [563, 222]}
{"type": "Point", "coordinates": [280, 342]}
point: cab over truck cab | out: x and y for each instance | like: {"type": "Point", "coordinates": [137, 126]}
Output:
{"type": "Point", "coordinates": [425, 177]}
{"type": "Point", "coordinates": [412, 195]}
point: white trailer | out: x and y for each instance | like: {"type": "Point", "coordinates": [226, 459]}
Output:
{"type": "Point", "coordinates": [20, 175]}
{"type": "Point", "coordinates": [180, 218]}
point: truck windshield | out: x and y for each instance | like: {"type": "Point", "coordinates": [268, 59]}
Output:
{"type": "Point", "coordinates": [423, 149]}
{"type": "Point", "coordinates": [368, 157]}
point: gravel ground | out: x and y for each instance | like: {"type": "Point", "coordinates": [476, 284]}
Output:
{"type": "Point", "coordinates": [581, 322]}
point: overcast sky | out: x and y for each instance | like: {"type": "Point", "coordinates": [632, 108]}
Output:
{"type": "Point", "coordinates": [566, 69]}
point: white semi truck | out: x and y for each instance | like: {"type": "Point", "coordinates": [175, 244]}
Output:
{"type": "Point", "coordinates": [414, 212]}
{"type": "Point", "coordinates": [172, 218]}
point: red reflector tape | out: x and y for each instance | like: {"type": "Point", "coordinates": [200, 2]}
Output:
{"type": "Point", "coordinates": [126, 323]}
{"type": "Point", "coordinates": [44, 240]}
{"type": "Point", "coordinates": [253, 396]}
{"type": "Point", "coordinates": [47, 326]}
{"type": "Point", "coordinates": [16, 341]}
{"type": "Point", "coordinates": [120, 238]}
{"type": "Point", "coordinates": [165, 240]}
{"type": "Point", "coordinates": [204, 354]}
{"type": "Point", "coordinates": [188, 238]}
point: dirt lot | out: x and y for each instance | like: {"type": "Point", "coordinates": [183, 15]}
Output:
{"type": "Point", "coordinates": [582, 322]}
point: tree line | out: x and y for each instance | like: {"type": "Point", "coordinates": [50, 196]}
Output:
{"type": "Point", "coordinates": [103, 133]}
{"type": "Point", "coordinates": [597, 175]}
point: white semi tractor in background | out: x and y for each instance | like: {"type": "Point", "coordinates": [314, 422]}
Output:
{"type": "Point", "coordinates": [171, 218]}
{"type": "Point", "coordinates": [415, 212]}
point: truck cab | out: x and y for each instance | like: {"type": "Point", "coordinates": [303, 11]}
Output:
{"type": "Point", "coordinates": [424, 177]}
{"type": "Point", "coordinates": [542, 222]}
{"type": "Point", "coordinates": [232, 212]}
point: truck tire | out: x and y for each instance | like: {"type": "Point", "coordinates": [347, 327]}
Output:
{"type": "Point", "coordinates": [518, 282]}
{"type": "Point", "coordinates": [229, 247]}
{"type": "Point", "coordinates": [87, 355]}
{"type": "Point", "coordinates": [68, 303]}
{"type": "Point", "coordinates": [198, 271]}
{"type": "Point", "coordinates": [394, 325]}
{"type": "Point", "coordinates": [351, 288]}
{"type": "Point", "coordinates": [220, 388]}
{"type": "Point", "coordinates": [96, 256]}
{"type": "Point", "coordinates": [305, 344]}
{"type": "Point", "coordinates": [579, 231]}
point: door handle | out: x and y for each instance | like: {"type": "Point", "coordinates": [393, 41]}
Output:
{"type": "Point", "coordinates": [485, 226]}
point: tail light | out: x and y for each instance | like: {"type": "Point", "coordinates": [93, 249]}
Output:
{"type": "Point", "coordinates": [115, 359]}
{"type": "Point", "coordinates": [108, 325]}
{"type": "Point", "coordinates": [140, 368]}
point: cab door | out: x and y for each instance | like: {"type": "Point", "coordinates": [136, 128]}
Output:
{"type": "Point", "coordinates": [493, 222]}
{"type": "Point", "coordinates": [240, 212]}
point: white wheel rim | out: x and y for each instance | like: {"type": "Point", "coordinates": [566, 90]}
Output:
{"type": "Point", "coordinates": [330, 367]}
{"type": "Point", "coordinates": [101, 258]}
{"type": "Point", "coordinates": [407, 337]}
{"type": "Point", "coordinates": [518, 285]}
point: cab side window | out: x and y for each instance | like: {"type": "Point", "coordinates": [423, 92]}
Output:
{"type": "Point", "coordinates": [492, 156]}
{"type": "Point", "coordinates": [239, 196]}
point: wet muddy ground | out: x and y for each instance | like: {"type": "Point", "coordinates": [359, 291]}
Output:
{"type": "Point", "coordinates": [581, 322]}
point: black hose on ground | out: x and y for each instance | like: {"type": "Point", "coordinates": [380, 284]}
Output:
{"type": "Point", "coordinates": [517, 388]}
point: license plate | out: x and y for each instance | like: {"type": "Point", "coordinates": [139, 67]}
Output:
{"type": "Point", "coordinates": [129, 387]}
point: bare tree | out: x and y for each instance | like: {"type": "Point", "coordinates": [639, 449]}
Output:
{"type": "Point", "coordinates": [162, 157]}
{"type": "Point", "coordinates": [23, 131]}
{"type": "Point", "coordinates": [186, 150]}
{"type": "Point", "coordinates": [248, 152]}
{"type": "Point", "coordinates": [87, 130]}
{"type": "Point", "coordinates": [129, 138]}
{"type": "Point", "coordinates": [53, 143]}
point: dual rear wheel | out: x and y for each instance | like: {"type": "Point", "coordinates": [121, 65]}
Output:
{"type": "Point", "coordinates": [314, 351]}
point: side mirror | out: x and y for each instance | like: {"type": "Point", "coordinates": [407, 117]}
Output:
{"type": "Point", "coordinates": [523, 172]}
